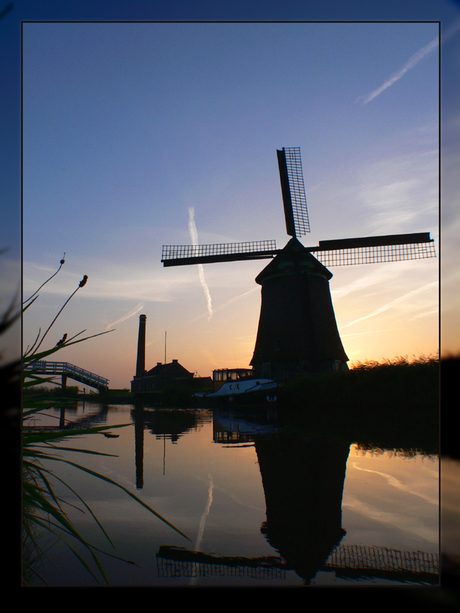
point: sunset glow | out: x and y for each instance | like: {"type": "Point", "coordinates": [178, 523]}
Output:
{"type": "Point", "coordinates": [167, 134]}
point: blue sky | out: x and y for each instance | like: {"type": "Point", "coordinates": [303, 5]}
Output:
{"type": "Point", "coordinates": [129, 129]}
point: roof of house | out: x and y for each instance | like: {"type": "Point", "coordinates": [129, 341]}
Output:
{"type": "Point", "coordinates": [173, 369]}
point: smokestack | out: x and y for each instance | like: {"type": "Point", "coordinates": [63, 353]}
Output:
{"type": "Point", "coordinates": [140, 367]}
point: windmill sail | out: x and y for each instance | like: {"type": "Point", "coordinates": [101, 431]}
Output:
{"type": "Point", "coordinates": [293, 191]}
{"type": "Point", "coordinates": [297, 330]}
{"type": "Point", "coordinates": [342, 252]}
{"type": "Point", "coordinates": [375, 249]}
{"type": "Point", "coordinates": [179, 255]}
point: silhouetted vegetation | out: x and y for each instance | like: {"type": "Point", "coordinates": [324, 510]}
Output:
{"type": "Point", "coordinates": [43, 512]}
{"type": "Point", "coordinates": [450, 370]}
{"type": "Point", "coordinates": [391, 400]}
{"type": "Point", "coordinates": [70, 391]}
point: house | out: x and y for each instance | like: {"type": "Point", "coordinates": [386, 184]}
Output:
{"type": "Point", "coordinates": [162, 375]}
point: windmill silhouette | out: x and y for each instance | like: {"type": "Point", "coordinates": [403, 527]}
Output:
{"type": "Point", "coordinates": [297, 330]}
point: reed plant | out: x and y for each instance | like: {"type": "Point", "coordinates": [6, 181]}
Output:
{"type": "Point", "coordinates": [412, 382]}
{"type": "Point", "coordinates": [378, 399]}
{"type": "Point", "coordinates": [44, 513]}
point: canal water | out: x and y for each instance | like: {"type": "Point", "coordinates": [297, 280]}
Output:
{"type": "Point", "coordinates": [260, 504]}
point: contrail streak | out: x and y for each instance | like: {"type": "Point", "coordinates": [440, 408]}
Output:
{"type": "Point", "coordinates": [390, 304]}
{"type": "Point", "coordinates": [199, 537]}
{"type": "Point", "coordinates": [413, 61]}
{"type": "Point", "coordinates": [194, 237]}
{"type": "Point", "coordinates": [396, 483]}
{"type": "Point", "coordinates": [128, 315]}
{"type": "Point", "coordinates": [226, 304]}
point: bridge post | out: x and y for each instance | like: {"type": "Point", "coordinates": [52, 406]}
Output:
{"type": "Point", "coordinates": [63, 381]}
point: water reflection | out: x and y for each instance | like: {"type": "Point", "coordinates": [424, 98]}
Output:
{"type": "Point", "coordinates": [167, 424]}
{"type": "Point", "coordinates": [303, 479]}
{"type": "Point", "coordinates": [303, 482]}
{"type": "Point", "coordinates": [71, 415]}
{"type": "Point", "coordinates": [300, 536]}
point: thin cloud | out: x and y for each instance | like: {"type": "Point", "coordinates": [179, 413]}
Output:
{"type": "Point", "coordinates": [413, 61]}
{"type": "Point", "coordinates": [387, 306]}
{"type": "Point", "coordinates": [367, 332]}
{"type": "Point", "coordinates": [401, 191]}
{"type": "Point", "coordinates": [229, 302]}
{"type": "Point", "coordinates": [194, 237]}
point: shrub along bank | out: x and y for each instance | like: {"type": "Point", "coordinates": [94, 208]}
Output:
{"type": "Point", "coordinates": [390, 398]}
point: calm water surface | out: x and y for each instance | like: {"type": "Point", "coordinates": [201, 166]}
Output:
{"type": "Point", "coordinates": [261, 505]}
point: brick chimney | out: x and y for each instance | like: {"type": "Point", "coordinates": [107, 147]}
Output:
{"type": "Point", "coordinates": [140, 366]}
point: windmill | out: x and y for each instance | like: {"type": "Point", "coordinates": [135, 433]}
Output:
{"type": "Point", "coordinates": [297, 330]}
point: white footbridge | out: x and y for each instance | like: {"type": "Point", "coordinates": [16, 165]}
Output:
{"type": "Point", "coordinates": [64, 369]}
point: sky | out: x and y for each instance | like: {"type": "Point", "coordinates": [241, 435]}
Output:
{"type": "Point", "coordinates": [133, 131]}
{"type": "Point", "coordinates": [136, 135]}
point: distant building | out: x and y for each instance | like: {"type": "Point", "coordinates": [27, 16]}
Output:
{"type": "Point", "coordinates": [161, 375]}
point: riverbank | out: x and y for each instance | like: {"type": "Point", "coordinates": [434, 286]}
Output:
{"type": "Point", "coordinates": [396, 400]}
{"type": "Point", "coordinates": [386, 399]}
{"type": "Point", "coordinates": [367, 388]}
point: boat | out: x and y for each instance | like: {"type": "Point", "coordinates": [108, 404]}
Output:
{"type": "Point", "coordinates": [245, 391]}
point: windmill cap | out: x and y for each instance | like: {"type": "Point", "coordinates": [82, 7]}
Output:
{"type": "Point", "coordinates": [293, 259]}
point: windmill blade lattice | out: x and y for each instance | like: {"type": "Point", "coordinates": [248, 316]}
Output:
{"type": "Point", "coordinates": [342, 252]}
{"type": "Point", "coordinates": [293, 191]}
{"type": "Point", "coordinates": [375, 249]}
{"type": "Point", "coordinates": [179, 255]}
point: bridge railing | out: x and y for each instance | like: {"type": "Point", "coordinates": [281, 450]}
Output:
{"type": "Point", "coordinates": [44, 367]}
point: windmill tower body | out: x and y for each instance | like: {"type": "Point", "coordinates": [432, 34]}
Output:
{"type": "Point", "coordinates": [297, 330]}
